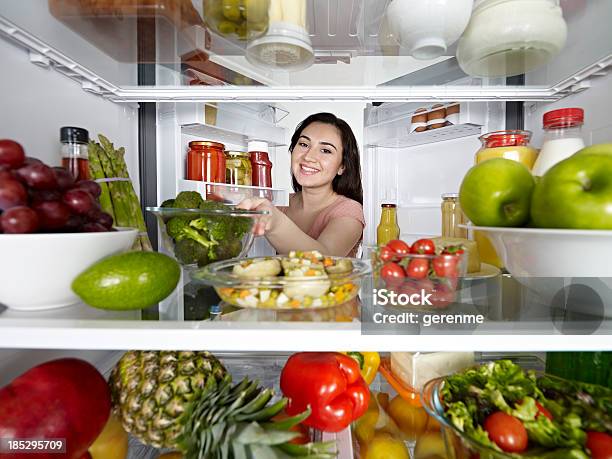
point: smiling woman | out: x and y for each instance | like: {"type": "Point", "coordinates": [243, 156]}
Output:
{"type": "Point", "coordinates": [326, 212]}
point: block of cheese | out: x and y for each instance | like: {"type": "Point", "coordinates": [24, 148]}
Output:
{"type": "Point", "coordinates": [471, 249]}
{"type": "Point", "coordinates": [414, 369]}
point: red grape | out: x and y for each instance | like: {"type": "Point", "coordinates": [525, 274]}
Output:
{"type": "Point", "coordinates": [52, 215]}
{"type": "Point", "coordinates": [64, 178]}
{"type": "Point", "coordinates": [105, 220]}
{"type": "Point", "coordinates": [90, 186]}
{"type": "Point", "coordinates": [45, 195]}
{"type": "Point", "coordinates": [38, 176]}
{"type": "Point", "coordinates": [6, 173]}
{"type": "Point", "coordinates": [79, 201]}
{"type": "Point", "coordinates": [93, 228]}
{"type": "Point", "coordinates": [11, 153]}
{"type": "Point", "coordinates": [12, 193]}
{"type": "Point", "coordinates": [19, 220]}
{"type": "Point", "coordinates": [101, 217]}
{"type": "Point", "coordinates": [74, 223]}
{"type": "Point", "coordinates": [31, 160]}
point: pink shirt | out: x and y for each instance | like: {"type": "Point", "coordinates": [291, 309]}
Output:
{"type": "Point", "coordinates": [341, 207]}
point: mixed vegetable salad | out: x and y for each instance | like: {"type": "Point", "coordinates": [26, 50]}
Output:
{"type": "Point", "coordinates": [305, 280]}
{"type": "Point", "coordinates": [519, 413]}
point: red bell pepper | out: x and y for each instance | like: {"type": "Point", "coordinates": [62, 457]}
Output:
{"type": "Point", "coordinates": [330, 383]}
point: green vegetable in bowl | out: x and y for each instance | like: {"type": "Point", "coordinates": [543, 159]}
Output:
{"type": "Point", "coordinates": [499, 405]}
{"type": "Point", "coordinates": [203, 239]}
{"type": "Point", "coordinates": [188, 200]}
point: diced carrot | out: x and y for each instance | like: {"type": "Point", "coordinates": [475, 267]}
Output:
{"type": "Point", "coordinates": [244, 293]}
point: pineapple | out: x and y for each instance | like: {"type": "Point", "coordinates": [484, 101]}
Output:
{"type": "Point", "coordinates": [186, 401]}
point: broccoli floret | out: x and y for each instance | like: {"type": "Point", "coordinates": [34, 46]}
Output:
{"type": "Point", "coordinates": [167, 203]}
{"type": "Point", "coordinates": [212, 205]}
{"type": "Point", "coordinates": [188, 252]}
{"type": "Point", "coordinates": [228, 248]}
{"type": "Point", "coordinates": [174, 226]}
{"type": "Point", "coordinates": [188, 200]}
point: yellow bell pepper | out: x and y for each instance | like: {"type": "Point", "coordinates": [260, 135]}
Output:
{"type": "Point", "coordinates": [368, 363]}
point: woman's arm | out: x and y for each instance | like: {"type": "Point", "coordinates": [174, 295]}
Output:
{"type": "Point", "coordinates": [338, 238]}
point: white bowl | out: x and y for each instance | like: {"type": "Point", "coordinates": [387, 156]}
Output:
{"type": "Point", "coordinates": [428, 28]}
{"type": "Point", "coordinates": [36, 270]}
{"type": "Point", "coordinates": [548, 260]}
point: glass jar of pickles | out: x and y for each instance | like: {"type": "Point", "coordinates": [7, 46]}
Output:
{"type": "Point", "coordinates": [237, 19]}
{"type": "Point", "coordinates": [237, 168]}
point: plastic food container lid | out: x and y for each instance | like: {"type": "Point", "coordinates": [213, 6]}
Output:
{"type": "Point", "coordinates": [563, 117]}
{"type": "Point", "coordinates": [506, 139]}
{"type": "Point", "coordinates": [258, 145]}
{"type": "Point", "coordinates": [286, 46]}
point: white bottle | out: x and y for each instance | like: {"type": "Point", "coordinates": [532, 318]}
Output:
{"type": "Point", "coordinates": [562, 138]}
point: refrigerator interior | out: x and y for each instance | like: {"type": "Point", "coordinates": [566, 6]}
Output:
{"type": "Point", "coordinates": [264, 367]}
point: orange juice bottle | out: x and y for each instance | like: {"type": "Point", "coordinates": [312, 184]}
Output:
{"type": "Point", "coordinates": [514, 145]}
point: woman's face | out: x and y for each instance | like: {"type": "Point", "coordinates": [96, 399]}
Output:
{"type": "Point", "coordinates": [317, 157]}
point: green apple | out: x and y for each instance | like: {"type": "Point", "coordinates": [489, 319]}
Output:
{"type": "Point", "coordinates": [497, 192]}
{"type": "Point", "coordinates": [575, 193]}
{"type": "Point", "coordinates": [599, 149]}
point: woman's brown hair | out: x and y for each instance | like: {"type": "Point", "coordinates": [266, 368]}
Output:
{"type": "Point", "coordinates": [349, 183]}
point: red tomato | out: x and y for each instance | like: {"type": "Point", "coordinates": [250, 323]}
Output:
{"type": "Point", "coordinates": [507, 432]}
{"type": "Point", "coordinates": [543, 411]}
{"type": "Point", "coordinates": [600, 445]}
{"type": "Point", "coordinates": [399, 247]}
{"type": "Point", "coordinates": [423, 246]}
{"type": "Point", "coordinates": [446, 266]}
{"type": "Point", "coordinates": [417, 268]}
{"type": "Point", "coordinates": [386, 254]}
{"type": "Point", "coordinates": [392, 272]}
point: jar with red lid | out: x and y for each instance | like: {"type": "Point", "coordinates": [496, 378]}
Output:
{"type": "Point", "coordinates": [260, 164]}
{"type": "Point", "coordinates": [562, 137]}
{"type": "Point", "coordinates": [206, 161]}
{"type": "Point", "coordinates": [510, 144]}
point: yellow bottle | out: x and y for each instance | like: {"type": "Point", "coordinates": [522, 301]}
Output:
{"type": "Point", "coordinates": [387, 229]}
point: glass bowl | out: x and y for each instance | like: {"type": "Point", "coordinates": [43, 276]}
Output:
{"type": "Point", "coordinates": [458, 444]}
{"type": "Point", "coordinates": [227, 233]}
{"type": "Point", "coordinates": [310, 291]}
{"type": "Point", "coordinates": [419, 274]}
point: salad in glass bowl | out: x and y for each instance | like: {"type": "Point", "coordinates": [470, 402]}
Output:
{"type": "Point", "coordinates": [300, 280]}
{"type": "Point", "coordinates": [499, 410]}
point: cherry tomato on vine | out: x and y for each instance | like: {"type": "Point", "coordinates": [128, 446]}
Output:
{"type": "Point", "coordinates": [392, 272]}
{"type": "Point", "coordinates": [399, 247]}
{"type": "Point", "coordinates": [446, 266]}
{"type": "Point", "coordinates": [417, 268]}
{"type": "Point", "coordinates": [424, 247]}
{"type": "Point", "coordinates": [386, 254]}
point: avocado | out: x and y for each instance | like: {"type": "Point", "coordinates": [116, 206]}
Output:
{"type": "Point", "coordinates": [132, 280]}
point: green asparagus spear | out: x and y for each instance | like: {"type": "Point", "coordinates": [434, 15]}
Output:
{"type": "Point", "coordinates": [96, 172]}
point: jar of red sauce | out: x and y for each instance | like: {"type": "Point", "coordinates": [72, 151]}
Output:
{"type": "Point", "coordinates": [206, 161]}
{"type": "Point", "coordinates": [260, 164]}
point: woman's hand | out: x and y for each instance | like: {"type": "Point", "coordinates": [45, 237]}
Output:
{"type": "Point", "coordinates": [263, 223]}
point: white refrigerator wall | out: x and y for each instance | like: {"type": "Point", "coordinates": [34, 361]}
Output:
{"type": "Point", "coordinates": [35, 102]}
{"type": "Point", "coordinates": [596, 102]}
